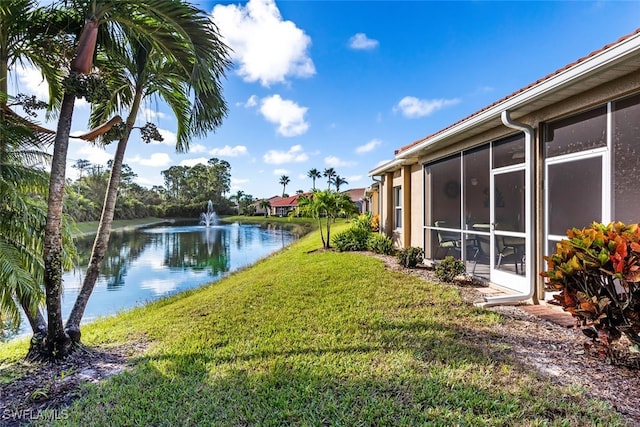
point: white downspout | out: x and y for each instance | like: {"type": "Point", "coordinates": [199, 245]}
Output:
{"type": "Point", "coordinates": [530, 185]}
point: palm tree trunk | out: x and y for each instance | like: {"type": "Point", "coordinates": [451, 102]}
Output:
{"type": "Point", "coordinates": [57, 342]}
{"type": "Point", "coordinates": [101, 242]}
{"type": "Point", "coordinates": [324, 245]}
{"type": "Point", "coordinates": [328, 232]}
{"type": "Point", "coordinates": [35, 318]}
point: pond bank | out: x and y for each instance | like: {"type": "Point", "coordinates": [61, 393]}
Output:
{"type": "Point", "coordinates": [89, 228]}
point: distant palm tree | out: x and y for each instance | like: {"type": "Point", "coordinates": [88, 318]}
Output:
{"type": "Point", "coordinates": [284, 180]}
{"type": "Point", "coordinates": [329, 173]}
{"type": "Point", "coordinates": [81, 165]}
{"type": "Point", "coordinates": [265, 204]}
{"type": "Point", "coordinates": [338, 181]}
{"type": "Point", "coordinates": [238, 197]}
{"type": "Point", "coordinates": [313, 174]}
{"type": "Point", "coordinates": [326, 205]}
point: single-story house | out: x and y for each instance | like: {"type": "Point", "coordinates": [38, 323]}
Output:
{"type": "Point", "coordinates": [282, 206]}
{"type": "Point", "coordinates": [359, 197]}
{"type": "Point", "coordinates": [259, 210]}
{"type": "Point", "coordinates": [499, 188]}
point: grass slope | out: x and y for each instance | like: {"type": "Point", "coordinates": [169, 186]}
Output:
{"type": "Point", "coordinates": [314, 338]}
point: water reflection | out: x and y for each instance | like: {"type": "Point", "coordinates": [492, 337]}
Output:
{"type": "Point", "coordinates": [145, 264]}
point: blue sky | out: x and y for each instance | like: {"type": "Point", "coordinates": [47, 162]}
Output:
{"type": "Point", "coordinates": [342, 84]}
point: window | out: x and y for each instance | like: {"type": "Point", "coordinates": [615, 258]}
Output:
{"type": "Point", "coordinates": [626, 160]}
{"type": "Point", "coordinates": [443, 192]}
{"type": "Point", "coordinates": [577, 133]}
{"type": "Point", "coordinates": [476, 186]}
{"type": "Point", "coordinates": [397, 202]}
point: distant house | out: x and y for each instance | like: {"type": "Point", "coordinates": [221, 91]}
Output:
{"type": "Point", "coordinates": [359, 197]}
{"type": "Point", "coordinates": [372, 195]}
{"type": "Point", "coordinates": [499, 188]}
{"type": "Point", "coordinates": [282, 206]}
{"type": "Point", "coordinates": [258, 210]}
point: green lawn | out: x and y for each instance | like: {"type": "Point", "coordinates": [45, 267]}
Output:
{"type": "Point", "coordinates": [259, 219]}
{"type": "Point", "coordinates": [309, 337]}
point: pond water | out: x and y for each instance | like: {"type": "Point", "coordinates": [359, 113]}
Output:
{"type": "Point", "coordinates": [149, 263]}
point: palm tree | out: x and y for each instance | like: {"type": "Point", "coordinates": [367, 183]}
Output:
{"type": "Point", "coordinates": [22, 216]}
{"type": "Point", "coordinates": [81, 165]}
{"type": "Point", "coordinates": [338, 181]}
{"type": "Point", "coordinates": [329, 205]}
{"type": "Point", "coordinates": [237, 197]}
{"type": "Point", "coordinates": [329, 173]}
{"type": "Point", "coordinates": [25, 37]}
{"type": "Point", "coordinates": [187, 81]}
{"type": "Point", "coordinates": [266, 205]}
{"type": "Point", "coordinates": [313, 174]}
{"type": "Point", "coordinates": [284, 180]}
{"type": "Point", "coordinates": [165, 25]}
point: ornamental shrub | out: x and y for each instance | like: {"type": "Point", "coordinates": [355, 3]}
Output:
{"type": "Point", "coordinates": [449, 268]}
{"type": "Point", "coordinates": [380, 244]}
{"type": "Point", "coordinates": [410, 257]}
{"type": "Point", "coordinates": [352, 239]}
{"type": "Point", "coordinates": [597, 273]}
{"type": "Point", "coordinates": [362, 221]}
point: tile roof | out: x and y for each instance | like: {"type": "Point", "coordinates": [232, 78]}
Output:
{"type": "Point", "coordinates": [356, 194]}
{"type": "Point", "coordinates": [288, 201]}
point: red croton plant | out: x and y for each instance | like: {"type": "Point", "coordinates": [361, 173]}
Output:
{"type": "Point", "coordinates": [597, 273]}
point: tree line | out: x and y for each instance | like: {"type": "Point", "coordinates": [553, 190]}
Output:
{"type": "Point", "coordinates": [185, 192]}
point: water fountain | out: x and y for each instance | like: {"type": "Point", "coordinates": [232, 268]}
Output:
{"type": "Point", "coordinates": [209, 217]}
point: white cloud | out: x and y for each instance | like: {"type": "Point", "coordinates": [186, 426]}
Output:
{"type": "Point", "coordinates": [197, 148]}
{"type": "Point", "coordinates": [149, 115]}
{"type": "Point", "coordinates": [295, 155]}
{"type": "Point", "coordinates": [334, 162]}
{"type": "Point", "coordinates": [360, 41]}
{"type": "Point", "coordinates": [238, 183]}
{"type": "Point", "coordinates": [155, 160]}
{"type": "Point", "coordinates": [87, 151]}
{"type": "Point", "coordinates": [280, 171]}
{"type": "Point", "coordinates": [251, 102]}
{"type": "Point", "coordinates": [267, 48]}
{"type": "Point", "coordinates": [354, 178]}
{"type": "Point", "coordinates": [412, 107]}
{"type": "Point", "coordinates": [288, 115]}
{"type": "Point", "coordinates": [33, 83]}
{"type": "Point", "coordinates": [228, 151]}
{"type": "Point", "coordinates": [193, 162]}
{"type": "Point", "coordinates": [369, 146]}
{"type": "Point", "coordinates": [168, 138]}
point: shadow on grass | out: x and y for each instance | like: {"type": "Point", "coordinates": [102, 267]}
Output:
{"type": "Point", "coordinates": [413, 372]}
